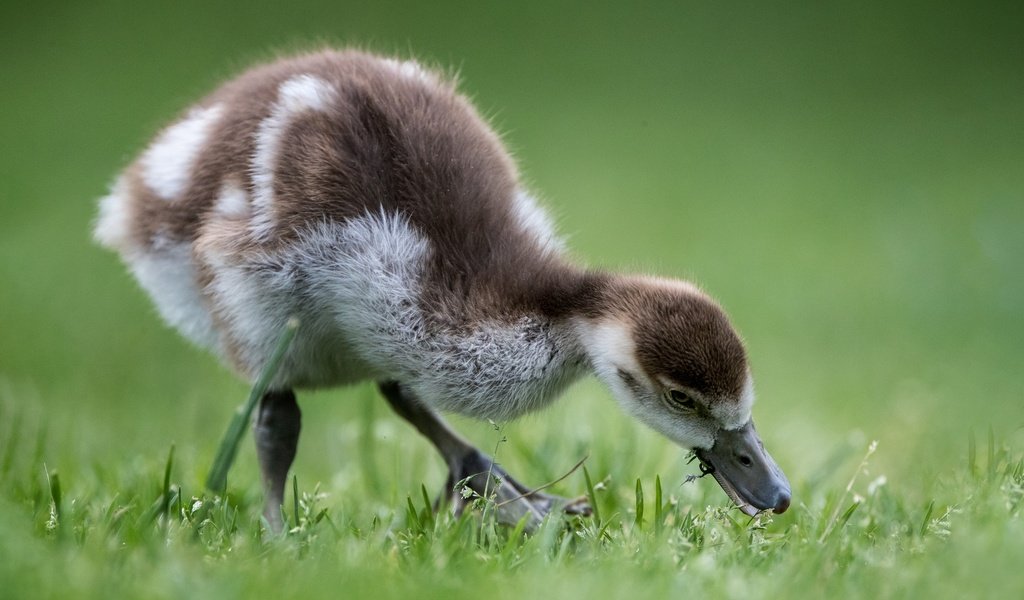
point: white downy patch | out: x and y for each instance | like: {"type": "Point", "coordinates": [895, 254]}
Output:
{"type": "Point", "coordinates": [535, 221]}
{"type": "Point", "coordinates": [112, 225]}
{"type": "Point", "coordinates": [297, 95]}
{"type": "Point", "coordinates": [609, 344]}
{"type": "Point", "coordinates": [167, 273]}
{"type": "Point", "coordinates": [735, 415]}
{"type": "Point", "coordinates": [232, 201]}
{"type": "Point", "coordinates": [167, 164]}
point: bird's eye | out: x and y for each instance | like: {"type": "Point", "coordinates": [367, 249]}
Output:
{"type": "Point", "coordinates": [682, 400]}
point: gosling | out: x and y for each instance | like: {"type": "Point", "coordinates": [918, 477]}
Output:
{"type": "Point", "coordinates": [366, 197]}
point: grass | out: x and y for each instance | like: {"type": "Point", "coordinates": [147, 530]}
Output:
{"type": "Point", "coordinates": [142, 532]}
{"type": "Point", "coordinates": [845, 179]}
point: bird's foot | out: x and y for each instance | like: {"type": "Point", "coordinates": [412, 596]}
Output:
{"type": "Point", "coordinates": [477, 477]}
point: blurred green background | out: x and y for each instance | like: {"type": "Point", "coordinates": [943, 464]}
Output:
{"type": "Point", "coordinates": [847, 178]}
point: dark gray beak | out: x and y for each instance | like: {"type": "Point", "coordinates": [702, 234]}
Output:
{"type": "Point", "coordinates": [747, 473]}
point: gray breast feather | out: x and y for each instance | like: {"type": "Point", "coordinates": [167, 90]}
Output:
{"type": "Point", "coordinates": [368, 274]}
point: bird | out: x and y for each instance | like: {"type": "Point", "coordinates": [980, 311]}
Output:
{"type": "Point", "coordinates": [366, 196]}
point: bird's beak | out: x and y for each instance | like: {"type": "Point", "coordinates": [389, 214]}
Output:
{"type": "Point", "coordinates": [747, 473]}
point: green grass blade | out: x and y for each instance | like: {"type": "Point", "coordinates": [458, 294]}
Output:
{"type": "Point", "coordinates": [639, 504]}
{"type": "Point", "coordinates": [658, 516]}
{"type": "Point", "coordinates": [927, 518]}
{"type": "Point", "coordinates": [217, 481]}
{"type": "Point", "coordinates": [412, 516]}
{"type": "Point", "coordinates": [515, 539]}
{"type": "Point", "coordinates": [428, 507]}
{"type": "Point", "coordinates": [56, 495]}
{"type": "Point", "coordinates": [167, 479]}
{"type": "Point", "coordinates": [846, 515]}
{"type": "Point", "coordinates": [593, 496]}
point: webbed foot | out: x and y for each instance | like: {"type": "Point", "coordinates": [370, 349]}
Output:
{"type": "Point", "coordinates": [473, 475]}
{"type": "Point", "coordinates": [476, 476]}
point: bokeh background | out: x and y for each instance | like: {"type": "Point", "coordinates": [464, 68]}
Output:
{"type": "Point", "coordinates": [847, 178]}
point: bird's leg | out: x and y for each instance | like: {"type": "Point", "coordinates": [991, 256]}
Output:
{"type": "Point", "coordinates": [475, 469]}
{"type": "Point", "coordinates": [276, 429]}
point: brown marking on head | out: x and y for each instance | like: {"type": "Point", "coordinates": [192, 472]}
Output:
{"type": "Point", "coordinates": [682, 335]}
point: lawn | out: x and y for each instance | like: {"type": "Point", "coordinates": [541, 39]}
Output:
{"type": "Point", "coordinates": [847, 181]}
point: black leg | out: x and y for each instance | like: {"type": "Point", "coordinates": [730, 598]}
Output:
{"type": "Point", "coordinates": [276, 429]}
{"type": "Point", "coordinates": [479, 472]}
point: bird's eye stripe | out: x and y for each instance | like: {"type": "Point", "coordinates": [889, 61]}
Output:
{"type": "Point", "coordinates": [630, 381]}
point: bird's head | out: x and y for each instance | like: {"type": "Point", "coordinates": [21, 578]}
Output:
{"type": "Point", "coordinates": [672, 359]}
